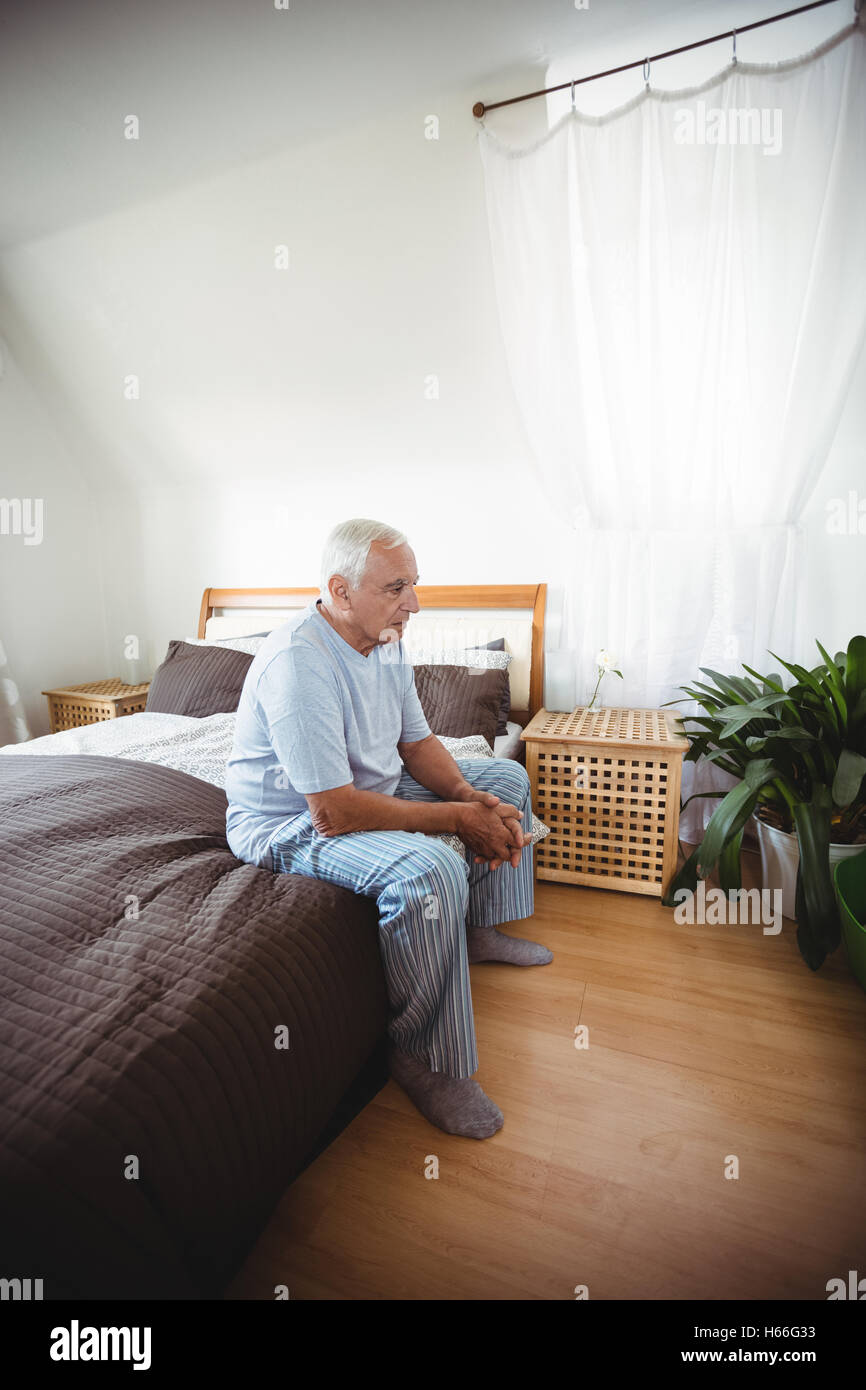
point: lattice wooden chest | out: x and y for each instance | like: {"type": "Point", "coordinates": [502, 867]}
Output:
{"type": "Point", "coordinates": [607, 782]}
{"type": "Point", "coordinates": [76, 705]}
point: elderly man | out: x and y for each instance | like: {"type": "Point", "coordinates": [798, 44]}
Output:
{"type": "Point", "coordinates": [335, 774]}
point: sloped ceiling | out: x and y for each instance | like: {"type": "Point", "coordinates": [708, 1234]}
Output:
{"type": "Point", "coordinates": [215, 83]}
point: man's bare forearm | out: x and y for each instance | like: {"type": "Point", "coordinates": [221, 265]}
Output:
{"type": "Point", "coordinates": [432, 766]}
{"type": "Point", "coordinates": [361, 810]}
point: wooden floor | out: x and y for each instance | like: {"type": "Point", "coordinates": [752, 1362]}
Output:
{"type": "Point", "coordinates": [704, 1042]}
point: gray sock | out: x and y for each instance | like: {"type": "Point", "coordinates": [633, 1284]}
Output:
{"type": "Point", "coordinates": [486, 943]}
{"type": "Point", "coordinates": [455, 1104]}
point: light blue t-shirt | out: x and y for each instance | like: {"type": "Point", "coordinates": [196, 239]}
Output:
{"type": "Point", "coordinates": [314, 714]}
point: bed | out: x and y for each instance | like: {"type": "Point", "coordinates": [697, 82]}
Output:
{"type": "Point", "coordinates": [181, 1033]}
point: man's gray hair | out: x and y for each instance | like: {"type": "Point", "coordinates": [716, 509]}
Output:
{"type": "Point", "coordinates": [348, 546]}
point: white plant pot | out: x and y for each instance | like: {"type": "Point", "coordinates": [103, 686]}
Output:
{"type": "Point", "coordinates": [838, 852]}
{"type": "Point", "coordinates": [780, 860]}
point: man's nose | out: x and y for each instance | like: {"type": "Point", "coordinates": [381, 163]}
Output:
{"type": "Point", "coordinates": [412, 605]}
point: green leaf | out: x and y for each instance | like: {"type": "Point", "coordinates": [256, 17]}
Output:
{"type": "Point", "coordinates": [855, 668]}
{"type": "Point", "coordinates": [759, 771]}
{"type": "Point", "coordinates": [732, 760]}
{"type": "Point", "coordinates": [730, 873]}
{"type": "Point", "coordinates": [800, 674]}
{"type": "Point", "coordinates": [757, 707]}
{"type": "Point", "coordinates": [811, 950]}
{"type": "Point", "coordinates": [834, 681]}
{"type": "Point", "coordinates": [818, 930]}
{"type": "Point", "coordinates": [774, 681]}
{"type": "Point", "coordinates": [857, 716]}
{"type": "Point", "coordinates": [708, 719]}
{"type": "Point", "coordinates": [832, 668]}
{"type": "Point", "coordinates": [824, 707]}
{"type": "Point", "coordinates": [793, 735]}
{"type": "Point", "coordinates": [733, 726]}
{"type": "Point", "coordinates": [717, 796]}
{"type": "Point", "coordinates": [733, 686]}
{"type": "Point", "coordinates": [706, 696]}
{"type": "Point", "coordinates": [727, 819]}
{"type": "Point", "coordinates": [687, 878]}
{"type": "Point", "coordinates": [850, 772]}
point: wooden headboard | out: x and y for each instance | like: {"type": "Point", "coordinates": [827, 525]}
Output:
{"type": "Point", "coordinates": [527, 598]}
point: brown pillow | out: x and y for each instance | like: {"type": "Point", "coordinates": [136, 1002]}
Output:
{"type": "Point", "coordinates": [498, 645]}
{"type": "Point", "coordinates": [461, 700]}
{"type": "Point", "coordinates": [198, 681]}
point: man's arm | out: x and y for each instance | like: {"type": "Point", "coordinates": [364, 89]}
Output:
{"type": "Point", "coordinates": [477, 817]}
{"type": "Point", "coordinates": [341, 810]}
{"type": "Point", "coordinates": [432, 765]}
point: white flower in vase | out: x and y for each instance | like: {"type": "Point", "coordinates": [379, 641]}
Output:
{"type": "Point", "coordinates": [604, 663]}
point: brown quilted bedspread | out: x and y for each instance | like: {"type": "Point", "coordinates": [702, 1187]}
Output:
{"type": "Point", "coordinates": [145, 1044]}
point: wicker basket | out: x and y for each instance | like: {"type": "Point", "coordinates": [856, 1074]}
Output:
{"type": "Point", "coordinates": [75, 705]}
{"type": "Point", "coordinates": [607, 782]}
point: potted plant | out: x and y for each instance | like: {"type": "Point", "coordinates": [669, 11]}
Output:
{"type": "Point", "coordinates": [780, 848]}
{"type": "Point", "coordinates": [800, 755]}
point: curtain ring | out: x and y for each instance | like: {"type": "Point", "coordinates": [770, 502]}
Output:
{"type": "Point", "coordinates": [734, 36]}
{"type": "Point", "coordinates": [572, 96]}
{"type": "Point", "coordinates": [646, 71]}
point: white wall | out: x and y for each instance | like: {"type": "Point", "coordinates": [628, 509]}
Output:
{"type": "Point", "coordinates": [52, 622]}
{"type": "Point", "coordinates": [274, 403]}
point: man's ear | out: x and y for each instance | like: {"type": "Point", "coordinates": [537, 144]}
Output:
{"type": "Point", "coordinates": [339, 590]}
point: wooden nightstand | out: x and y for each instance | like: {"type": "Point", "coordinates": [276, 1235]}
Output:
{"type": "Point", "coordinates": [607, 782]}
{"type": "Point", "coordinates": [74, 705]}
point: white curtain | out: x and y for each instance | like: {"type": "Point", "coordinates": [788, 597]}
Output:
{"type": "Point", "coordinates": [13, 721]}
{"type": "Point", "coordinates": [682, 293]}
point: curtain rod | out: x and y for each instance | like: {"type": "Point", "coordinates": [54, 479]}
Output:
{"type": "Point", "coordinates": [480, 107]}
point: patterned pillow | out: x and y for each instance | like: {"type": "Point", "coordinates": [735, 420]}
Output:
{"type": "Point", "coordinates": [481, 658]}
{"type": "Point", "coordinates": [249, 644]}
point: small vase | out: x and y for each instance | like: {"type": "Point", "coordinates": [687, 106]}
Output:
{"type": "Point", "coordinates": [559, 681]}
{"type": "Point", "coordinates": [594, 699]}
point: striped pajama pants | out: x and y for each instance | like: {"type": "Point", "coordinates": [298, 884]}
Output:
{"type": "Point", "coordinates": [428, 896]}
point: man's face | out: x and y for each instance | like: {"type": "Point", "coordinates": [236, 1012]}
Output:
{"type": "Point", "coordinates": [386, 597]}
